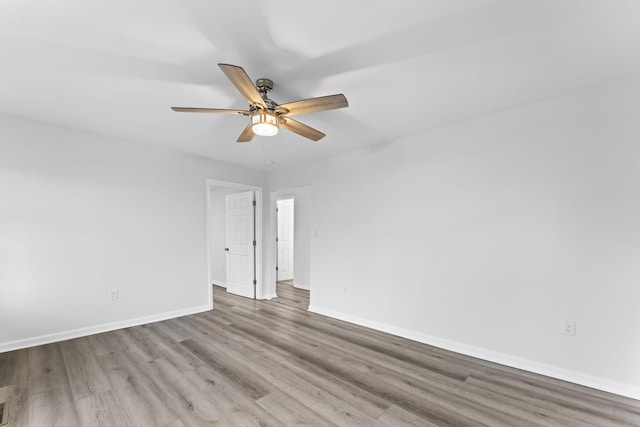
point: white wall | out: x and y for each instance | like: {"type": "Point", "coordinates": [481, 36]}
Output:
{"type": "Point", "coordinates": [484, 236]}
{"type": "Point", "coordinates": [81, 214]}
{"type": "Point", "coordinates": [217, 235]}
{"type": "Point", "coordinates": [302, 238]}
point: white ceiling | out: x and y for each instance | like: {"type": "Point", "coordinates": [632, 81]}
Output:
{"type": "Point", "coordinates": [115, 67]}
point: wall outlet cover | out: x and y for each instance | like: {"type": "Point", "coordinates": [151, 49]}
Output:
{"type": "Point", "coordinates": [569, 327]}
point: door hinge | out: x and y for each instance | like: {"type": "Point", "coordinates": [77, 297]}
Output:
{"type": "Point", "coordinates": [254, 203]}
{"type": "Point", "coordinates": [255, 281]}
{"type": "Point", "coordinates": [276, 239]}
{"type": "Point", "coordinates": [254, 243]}
{"type": "Point", "coordinates": [276, 268]}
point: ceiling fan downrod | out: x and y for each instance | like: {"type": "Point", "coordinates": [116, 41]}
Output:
{"type": "Point", "coordinates": [265, 86]}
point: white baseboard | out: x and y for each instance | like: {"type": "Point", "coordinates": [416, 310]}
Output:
{"type": "Point", "coordinates": [217, 283]}
{"type": "Point", "coordinates": [491, 356]}
{"type": "Point", "coordinates": [301, 286]}
{"type": "Point", "coordinates": [91, 330]}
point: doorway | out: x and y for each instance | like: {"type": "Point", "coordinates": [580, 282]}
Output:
{"type": "Point", "coordinates": [245, 263]}
{"type": "Point", "coordinates": [292, 287]}
{"type": "Point", "coordinates": [285, 240]}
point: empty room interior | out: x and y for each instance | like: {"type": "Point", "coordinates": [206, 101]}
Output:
{"type": "Point", "coordinates": [335, 213]}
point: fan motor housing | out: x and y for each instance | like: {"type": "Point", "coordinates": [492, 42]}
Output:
{"type": "Point", "coordinates": [264, 84]}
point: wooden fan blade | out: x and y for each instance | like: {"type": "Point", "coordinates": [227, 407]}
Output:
{"type": "Point", "coordinates": [247, 134]}
{"type": "Point", "coordinates": [210, 110]}
{"type": "Point", "coordinates": [312, 105]}
{"type": "Point", "coordinates": [301, 129]}
{"type": "Point", "coordinates": [243, 83]}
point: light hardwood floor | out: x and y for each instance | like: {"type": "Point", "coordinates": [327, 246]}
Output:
{"type": "Point", "coordinates": [272, 363]}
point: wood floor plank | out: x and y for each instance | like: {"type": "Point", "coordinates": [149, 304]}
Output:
{"type": "Point", "coordinates": [398, 417]}
{"type": "Point", "coordinates": [84, 373]}
{"type": "Point", "coordinates": [239, 407]}
{"type": "Point", "coordinates": [173, 390]}
{"type": "Point", "coordinates": [53, 407]}
{"type": "Point", "coordinates": [102, 410]}
{"type": "Point", "coordinates": [47, 370]}
{"type": "Point", "coordinates": [338, 412]}
{"type": "Point", "coordinates": [226, 366]}
{"type": "Point", "coordinates": [196, 407]}
{"type": "Point", "coordinates": [291, 296]}
{"type": "Point", "coordinates": [142, 402]}
{"type": "Point", "coordinates": [102, 344]}
{"type": "Point", "coordinates": [15, 369]}
{"type": "Point", "coordinates": [170, 331]}
{"type": "Point", "coordinates": [165, 349]}
{"type": "Point", "coordinates": [138, 350]}
{"type": "Point", "coordinates": [181, 358]}
{"type": "Point", "coordinates": [289, 411]}
{"type": "Point", "coordinates": [14, 380]}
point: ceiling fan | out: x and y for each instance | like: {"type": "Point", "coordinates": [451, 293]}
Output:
{"type": "Point", "coordinates": [267, 116]}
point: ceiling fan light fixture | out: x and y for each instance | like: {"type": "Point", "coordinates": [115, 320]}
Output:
{"type": "Point", "coordinates": [264, 123]}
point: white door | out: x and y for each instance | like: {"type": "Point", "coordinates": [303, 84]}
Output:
{"type": "Point", "coordinates": [240, 248]}
{"type": "Point", "coordinates": [285, 239]}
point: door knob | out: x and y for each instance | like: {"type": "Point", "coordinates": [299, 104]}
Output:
{"type": "Point", "coordinates": [226, 249]}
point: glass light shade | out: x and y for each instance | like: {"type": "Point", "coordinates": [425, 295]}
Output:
{"type": "Point", "coordinates": [264, 123]}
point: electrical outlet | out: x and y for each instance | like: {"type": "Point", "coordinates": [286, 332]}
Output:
{"type": "Point", "coordinates": [569, 327]}
{"type": "Point", "coordinates": [113, 294]}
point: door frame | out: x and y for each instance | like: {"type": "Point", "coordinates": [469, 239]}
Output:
{"type": "Point", "coordinates": [258, 219]}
